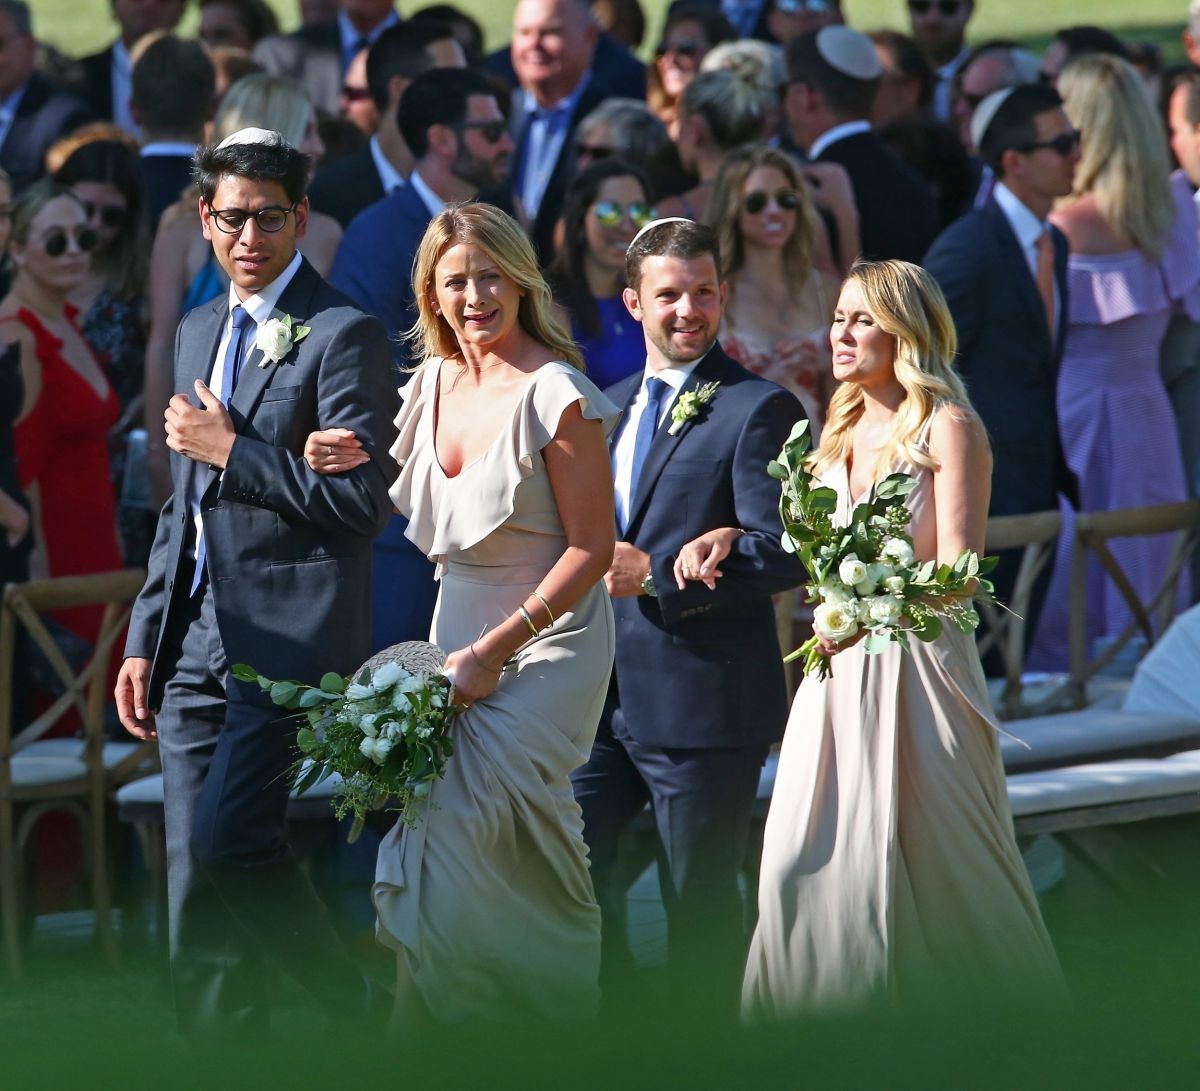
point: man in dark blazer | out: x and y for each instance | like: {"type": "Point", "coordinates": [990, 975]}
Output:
{"type": "Point", "coordinates": [698, 692]}
{"type": "Point", "coordinates": [33, 112]}
{"type": "Point", "coordinates": [258, 560]}
{"type": "Point", "coordinates": [833, 74]}
{"type": "Point", "coordinates": [1009, 349]}
{"type": "Point", "coordinates": [106, 78]}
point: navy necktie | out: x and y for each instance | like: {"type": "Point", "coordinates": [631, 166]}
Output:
{"type": "Point", "coordinates": [656, 390]}
{"type": "Point", "coordinates": [242, 321]}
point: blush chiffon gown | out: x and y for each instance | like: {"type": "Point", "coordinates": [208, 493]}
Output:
{"type": "Point", "coordinates": [889, 866]}
{"type": "Point", "coordinates": [488, 893]}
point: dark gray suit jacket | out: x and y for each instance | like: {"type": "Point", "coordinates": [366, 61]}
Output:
{"type": "Point", "coordinates": [289, 550]}
{"type": "Point", "coordinates": [44, 114]}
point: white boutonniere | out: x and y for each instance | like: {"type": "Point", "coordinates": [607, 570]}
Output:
{"type": "Point", "coordinates": [276, 337]}
{"type": "Point", "coordinates": [688, 405]}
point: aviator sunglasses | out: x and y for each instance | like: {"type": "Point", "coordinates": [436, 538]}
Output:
{"type": "Point", "coordinates": [945, 7]}
{"type": "Point", "coordinates": [611, 213]}
{"type": "Point", "coordinates": [57, 239]}
{"type": "Point", "coordinates": [756, 201]}
{"type": "Point", "coordinates": [1063, 144]}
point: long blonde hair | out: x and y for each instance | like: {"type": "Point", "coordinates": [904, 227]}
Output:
{"type": "Point", "coordinates": [1124, 162]}
{"type": "Point", "coordinates": [725, 206]}
{"type": "Point", "coordinates": [265, 102]}
{"type": "Point", "coordinates": [906, 302]}
{"type": "Point", "coordinates": [501, 238]}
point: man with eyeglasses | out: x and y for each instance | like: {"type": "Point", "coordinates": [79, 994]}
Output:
{"type": "Point", "coordinates": [939, 27]}
{"type": "Point", "coordinates": [1003, 269]}
{"type": "Point", "coordinates": [256, 559]}
{"type": "Point", "coordinates": [450, 119]}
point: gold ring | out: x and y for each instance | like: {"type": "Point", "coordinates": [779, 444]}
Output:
{"type": "Point", "coordinates": [329, 451]}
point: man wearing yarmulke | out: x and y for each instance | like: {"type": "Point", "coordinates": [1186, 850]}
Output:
{"type": "Point", "coordinates": [257, 559]}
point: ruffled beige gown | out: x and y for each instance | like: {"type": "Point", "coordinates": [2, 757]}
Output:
{"type": "Point", "coordinates": [889, 861]}
{"type": "Point", "coordinates": [489, 893]}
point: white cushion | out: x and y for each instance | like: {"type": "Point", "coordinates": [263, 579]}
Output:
{"type": "Point", "coordinates": [143, 790]}
{"type": "Point", "coordinates": [31, 772]}
{"type": "Point", "coordinates": [1101, 783]}
{"type": "Point", "coordinates": [114, 752]}
{"type": "Point", "coordinates": [1095, 734]}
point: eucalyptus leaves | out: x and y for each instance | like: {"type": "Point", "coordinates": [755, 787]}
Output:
{"type": "Point", "coordinates": [864, 575]}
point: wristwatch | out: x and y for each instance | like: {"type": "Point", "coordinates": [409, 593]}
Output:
{"type": "Point", "coordinates": [648, 587]}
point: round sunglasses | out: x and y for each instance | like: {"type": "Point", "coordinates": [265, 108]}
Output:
{"type": "Point", "coordinates": [755, 201]}
{"type": "Point", "coordinates": [232, 220]}
{"type": "Point", "coordinates": [113, 217]}
{"type": "Point", "coordinates": [57, 239]}
{"type": "Point", "coordinates": [611, 213]}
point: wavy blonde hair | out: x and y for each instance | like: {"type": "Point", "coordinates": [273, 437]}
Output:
{"type": "Point", "coordinates": [725, 206]}
{"type": "Point", "coordinates": [1124, 164]}
{"type": "Point", "coordinates": [501, 238]}
{"type": "Point", "coordinates": [905, 302]}
{"type": "Point", "coordinates": [265, 102]}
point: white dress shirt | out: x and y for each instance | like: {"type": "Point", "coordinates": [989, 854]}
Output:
{"type": "Point", "coordinates": [622, 456]}
{"type": "Point", "coordinates": [943, 86]}
{"type": "Point", "coordinates": [545, 134]}
{"type": "Point", "coordinates": [8, 111]}
{"type": "Point", "coordinates": [838, 132]}
{"type": "Point", "coordinates": [121, 69]}
{"type": "Point", "coordinates": [258, 307]}
{"type": "Point", "coordinates": [1028, 229]}
{"type": "Point", "coordinates": [428, 198]}
{"type": "Point", "coordinates": [389, 176]}
{"type": "Point", "coordinates": [350, 37]}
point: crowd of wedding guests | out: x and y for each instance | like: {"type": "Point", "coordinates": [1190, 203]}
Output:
{"type": "Point", "coordinates": [1052, 198]}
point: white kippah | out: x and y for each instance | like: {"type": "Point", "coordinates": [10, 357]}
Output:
{"type": "Point", "coordinates": [252, 135]}
{"type": "Point", "coordinates": [850, 52]}
{"type": "Point", "coordinates": [986, 112]}
{"type": "Point", "coordinates": [657, 223]}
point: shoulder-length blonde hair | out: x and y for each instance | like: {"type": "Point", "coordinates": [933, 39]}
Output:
{"type": "Point", "coordinates": [501, 238]}
{"type": "Point", "coordinates": [1124, 164]}
{"type": "Point", "coordinates": [725, 206]}
{"type": "Point", "coordinates": [265, 102]}
{"type": "Point", "coordinates": [906, 302]}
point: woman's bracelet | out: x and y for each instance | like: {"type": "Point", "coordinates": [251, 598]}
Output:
{"type": "Point", "coordinates": [542, 599]}
{"type": "Point", "coordinates": [528, 620]}
{"type": "Point", "coordinates": [482, 665]}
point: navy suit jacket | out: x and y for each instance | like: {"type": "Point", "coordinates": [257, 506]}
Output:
{"type": "Point", "coordinates": [44, 114]}
{"type": "Point", "coordinates": [95, 83]}
{"type": "Point", "coordinates": [1006, 355]}
{"type": "Point", "coordinates": [165, 178]}
{"type": "Point", "coordinates": [289, 550]}
{"type": "Point", "coordinates": [701, 668]}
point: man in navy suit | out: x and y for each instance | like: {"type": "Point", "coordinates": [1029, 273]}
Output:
{"type": "Point", "coordinates": [698, 693]}
{"type": "Point", "coordinates": [33, 113]}
{"type": "Point", "coordinates": [256, 560]}
{"type": "Point", "coordinates": [1010, 326]}
{"type": "Point", "coordinates": [450, 119]}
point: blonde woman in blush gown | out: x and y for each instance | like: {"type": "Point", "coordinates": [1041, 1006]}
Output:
{"type": "Point", "coordinates": [777, 318]}
{"type": "Point", "coordinates": [889, 867]}
{"type": "Point", "coordinates": [505, 479]}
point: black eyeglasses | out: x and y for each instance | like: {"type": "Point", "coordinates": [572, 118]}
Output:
{"type": "Point", "coordinates": [756, 201]}
{"type": "Point", "coordinates": [681, 49]}
{"type": "Point", "coordinates": [57, 239]}
{"type": "Point", "coordinates": [491, 131]}
{"type": "Point", "coordinates": [1063, 144]}
{"type": "Point", "coordinates": [111, 216]}
{"type": "Point", "coordinates": [232, 220]}
{"type": "Point", "coordinates": [611, 213]}
{"type": "Point", "coordinates": [945, 7]}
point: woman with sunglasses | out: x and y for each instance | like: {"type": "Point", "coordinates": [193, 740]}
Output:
{"type": "Point", "coordinates": [779, 303]}
{"type": "Point", "coordinates": [183, 272]}
{"type": "Point", "coordinates": [104, 175]}
{"type": "Point", "coordinates": [69, 407]}
{"type": "Point", "coordinates": [1133, 264]}
{"type": "Point", "coordinates": [691, 30]}
{"type": "Point", "coordinates": [606, 205]}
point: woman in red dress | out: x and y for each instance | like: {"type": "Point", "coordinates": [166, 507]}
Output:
{"type": "Point", "coordinates": [61, 433]}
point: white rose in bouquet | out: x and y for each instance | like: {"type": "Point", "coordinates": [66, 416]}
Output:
{"type": "Point", "coordinates": [388, 675]}
{"type": "Point", "coordinates": [852, 571]}
{"type": "Point", "coordinates": [375, 749]}
{"type": "Point", "coordinates": [898, 550]}
{"type": "Point", "coordinates": [834, 591]}
{"type": "Point", "coordinates": [836, 621]}
{"type": "Point", "coordinates": [886, 609]}
{"type": "Point", "coordinates": [357, 692]}
{"type": "Point", "coordinates": [391, 731]}
{"type": "Point", "coordinates": [894, 585]}
{"type": "Point", "coordinates": [366, 724]}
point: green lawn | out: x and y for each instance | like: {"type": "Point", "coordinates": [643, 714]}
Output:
{"type": "Point", "coordinates": [78, 26]}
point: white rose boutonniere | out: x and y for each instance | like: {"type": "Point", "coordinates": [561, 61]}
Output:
{"type": "Point", "coordinates": [688, 405]}
{"type": "Point", "coordinates": [276, 337]}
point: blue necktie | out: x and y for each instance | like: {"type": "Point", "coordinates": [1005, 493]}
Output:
{"type": "Point", "coordinates": [656, 390]}
{"type": "Point", "coordinates": [229, 377]}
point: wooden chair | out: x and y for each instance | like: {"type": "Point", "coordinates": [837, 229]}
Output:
{"type": "Point", "coordinates": [1036, 534]}
{"type": "Point", "coordinates": [33, 783]}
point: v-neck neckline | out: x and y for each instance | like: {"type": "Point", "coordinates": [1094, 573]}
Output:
{"type": "Point", "coordinates": [436, 412]}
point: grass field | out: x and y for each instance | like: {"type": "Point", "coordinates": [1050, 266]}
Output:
{"type": "Point", "coordinates": [80, 26]}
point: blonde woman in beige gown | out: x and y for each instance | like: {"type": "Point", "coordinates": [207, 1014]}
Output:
{"type": "Point", "coordinates": [505, 480]}
{"type": "Point", "coordinates": [889, 863]}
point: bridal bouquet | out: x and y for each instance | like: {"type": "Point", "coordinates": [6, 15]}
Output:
{"type": "Point", "coordinates": [382, 729]}
{"type": "Point", "coordinates": [864, 575]}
